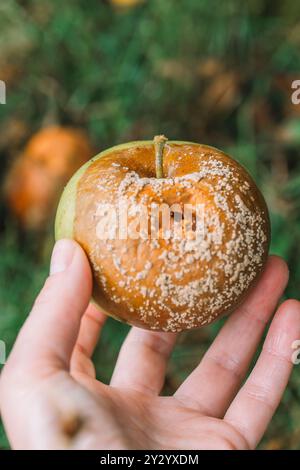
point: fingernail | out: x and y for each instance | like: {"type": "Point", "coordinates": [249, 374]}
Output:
{"type": "Point", "coordinates": [62, 256]}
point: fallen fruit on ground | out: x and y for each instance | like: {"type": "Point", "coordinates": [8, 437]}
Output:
{"type": "Point", "coordinates": [167, 277]}
{"type": "Point", "coordinates": [37, 177]}
{"type": "Point", "coordinates": [126, 3]}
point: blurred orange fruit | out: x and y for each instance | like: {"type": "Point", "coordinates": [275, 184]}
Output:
{"type": "Point", "coordinates": [37, 177]}
{"type": "Point", "coordinates": [126, 3]}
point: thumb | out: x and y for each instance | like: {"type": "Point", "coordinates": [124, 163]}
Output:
{"type": "Point", "coordinates": [50, 332]}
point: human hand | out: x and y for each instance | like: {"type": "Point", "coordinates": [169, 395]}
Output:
{"type": "Point", "coordinates": [51, 399]}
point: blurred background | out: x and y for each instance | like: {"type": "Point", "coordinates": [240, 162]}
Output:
{"type": "Point", "coordinates": [83, 76]}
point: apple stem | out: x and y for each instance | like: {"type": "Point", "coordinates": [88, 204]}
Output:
{"type": "Point", "coordinates": [159, 144]}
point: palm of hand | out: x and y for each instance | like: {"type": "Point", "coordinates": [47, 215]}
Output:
{"type": "Point", "coordinates": [134, 420]}
{"type": "Point", "coordinates": [95, 416]}
{"type": "Point", "coordinates": [49, 387]}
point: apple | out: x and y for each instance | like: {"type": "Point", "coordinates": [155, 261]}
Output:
{"type": "Point", "coordinates": [176, 233]}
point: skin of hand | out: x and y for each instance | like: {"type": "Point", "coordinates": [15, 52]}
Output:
{"type": "Point", "coordinates": [50, 397]}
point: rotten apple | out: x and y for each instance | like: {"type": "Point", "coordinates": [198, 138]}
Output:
{"type": "Point", "coordinates": [176, 232]}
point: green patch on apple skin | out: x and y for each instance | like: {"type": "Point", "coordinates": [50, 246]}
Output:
{"type": "Point", "coordinates": [65, 215]}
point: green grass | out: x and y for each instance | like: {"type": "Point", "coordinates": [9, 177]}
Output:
{"type": "Point", "coordinates": [133, 74]}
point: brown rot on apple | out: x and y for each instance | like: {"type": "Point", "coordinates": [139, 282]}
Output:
{"type": "Point", "coordinates": [176, 233]}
